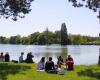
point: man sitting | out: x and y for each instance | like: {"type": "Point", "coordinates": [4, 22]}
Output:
{"type": "Point", "coordinates": [49, 66]}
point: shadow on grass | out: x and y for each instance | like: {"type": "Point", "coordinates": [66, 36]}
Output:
{"type": "Point", "coordinates": [6, 69]}
{"type": "Point", "coordinates": [93, 73]}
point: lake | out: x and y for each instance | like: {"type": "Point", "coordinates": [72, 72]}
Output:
{"type": "Point", "coordinates": [82, 54]}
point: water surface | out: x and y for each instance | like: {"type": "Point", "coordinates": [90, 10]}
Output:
{"type": "Point", "coordinates": [82, 54]}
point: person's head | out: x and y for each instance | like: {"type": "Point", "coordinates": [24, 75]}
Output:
{"type": "Point", "coordinates": [30, 54]}
{"type": "Point", "coordinates": [43, 59]}
{"type": "Point", "coordinates": [22, 53]}
{"type": "Point", "coordinates": [69, 56]}
{"type": "Point", "coordinates": [50, 58]}
{"type": "Point", "coordinates": [60, 57]}
{"type": "Point", "coordinates": [7, 53]}
{"type": "Point", "coordinates": [1, 53]}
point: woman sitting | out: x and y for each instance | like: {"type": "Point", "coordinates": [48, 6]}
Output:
{"type": "Point", "coordinates": [2, 57]}
{"type": "Point", "coordinates": [69, 63]}
{"type": "Point", "coordinates": [41, 64]}
{"type": "Point", "coordinates": [60, 61]}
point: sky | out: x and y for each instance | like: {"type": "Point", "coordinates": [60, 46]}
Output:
{"type": "Point", "coordinates": [51, 14]}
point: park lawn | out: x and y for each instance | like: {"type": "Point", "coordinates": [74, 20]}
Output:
{"type": "Point", "coordinates": [23, 71]}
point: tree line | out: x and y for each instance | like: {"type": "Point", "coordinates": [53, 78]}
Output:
{"type": "Point", "coordinates": [38, 38]}
{"type": "Point", "coordinates": [48, 37]}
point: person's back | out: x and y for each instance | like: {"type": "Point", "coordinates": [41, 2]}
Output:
{"type": "Point", "coordinates": [29, 58]}
{"type": "Point", "coordinates": [21, 57]}
{"type": "Point", "coordinates": [2, 57]}
{"type": "Point", "coordinates": [40, 65]}
{"type": "Point", "coordinates": [49, 66]}
{"type": "Point", "coordinates": [60, 61]}
{"type": "Point", "coordinates": [7, 57]}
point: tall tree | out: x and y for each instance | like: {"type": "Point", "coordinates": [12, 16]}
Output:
{"type": "Point", "coordinates": [12, 40]}
{"type": "Point", "coordinates": [46, 33]}
{"type": "Point", "coordinates": [64, 35]}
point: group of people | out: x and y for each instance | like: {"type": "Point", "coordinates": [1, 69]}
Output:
{"type": "Point", "coordinates": [4, 58]}
{"type": "Point", "coordinates": [28, 58]}
{"type": "Point", "coordinates": [47, 66]}
{"type": "Point", "coordinates": [50, 67]}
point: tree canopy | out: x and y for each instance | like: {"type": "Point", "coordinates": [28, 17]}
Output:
{"type": "Point", "coordinates": [91, 4]}
{"type": "Point", "coordinates": [14, 8]}
{"type": "Point", "coordinates": [18, 8]}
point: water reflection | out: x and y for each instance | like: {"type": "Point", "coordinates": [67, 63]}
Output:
{"type": "Point", "coordinates": [64, 52]}
{"type": "Point", "coordinates": [50, 51]}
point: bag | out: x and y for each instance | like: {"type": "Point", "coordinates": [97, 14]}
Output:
{"type": "Point", "coordinates": [61, 73]}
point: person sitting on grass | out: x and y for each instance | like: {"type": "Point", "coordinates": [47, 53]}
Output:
{"type": "Point", "coordinates": [29, 58]}
{"type": "Point", "coordinates": [60, 61]}
{"type": "Point", "coordinates": [41, 64]}
{"type": "Point", "coordinates": [7, 57]}
{"type": "Point", "coordinates": [49, 66]}
{"type": "Point", "coordinates": [21, 57]}
{"type": "Point", "coordinates": [2, 57]}
{"type": "Point", "coordinates": [69, 63]}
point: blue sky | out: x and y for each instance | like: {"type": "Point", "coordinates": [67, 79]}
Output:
{"type": "Point", "coordinates": [51, 14]}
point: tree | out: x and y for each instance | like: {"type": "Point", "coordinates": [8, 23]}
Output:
{"type": "Point", "coordinates": [25, 40]}
{"type": "Point", "coordinates": [14, 8]}
{"type": "Point", "coordinates": [57, 37]}
{"type": "Point", "coordinates": [18, 8]}
{"type": "Point", "coordinates": [12, 40]}
{"type": "Point", "coordinates": [91, 4]}
{"type": "Point", "coordinates": [64, 35]}
{"type": "Point", "coordinates": [18, 39]}
{"type": "Point", "coordinates": [3, 40]}
{"type": "Point", "coordinates": [46, 33]}
{"type": "Point", "coordinates": [41, 39]}
{"type": "Point", "coordinates": [33, 37]}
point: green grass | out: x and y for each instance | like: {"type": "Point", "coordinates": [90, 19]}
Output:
{"type": "Point", "coordinates": [23, 71]}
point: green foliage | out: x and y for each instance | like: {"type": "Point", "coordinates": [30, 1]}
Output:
{"type": "Point", "coordinates": [14, 8]}
{"type": "Point", "coordinates": [33, 37]}
{"type": "Point", "coordinates": [48, 37]}
{"type": "Point", "coordinates": [57, 37]}
{"type": "Point", "coordinates": [91, 4]}
{"type": "Point", "coordinates": [18, 39]}
{"type": "Point", "coordinates": [18, 8]}
{"type": "Point", "coordinates": [25, 40]}
{"type": "Point", "coordinates": [3, 40]}
{"type": "Point", "coordinates": [41, 39]}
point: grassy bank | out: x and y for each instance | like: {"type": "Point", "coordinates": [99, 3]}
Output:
{"type": "Point", "coordinates": [23, 71]}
